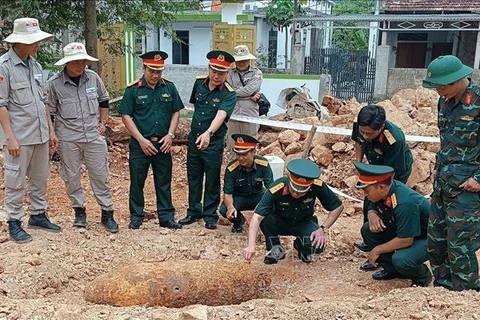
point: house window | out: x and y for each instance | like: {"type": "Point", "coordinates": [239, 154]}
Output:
{"type": "Point", "coordinates": [180, 47]}
{"type": "Point", "coordinates": [272, 48]}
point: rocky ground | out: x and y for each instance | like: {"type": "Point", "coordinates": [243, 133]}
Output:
{"type": "Point", "coordinates": [46, 278]}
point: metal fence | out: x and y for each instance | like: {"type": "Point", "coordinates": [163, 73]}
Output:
{"type": "Point", "coordinates": [352, 72]}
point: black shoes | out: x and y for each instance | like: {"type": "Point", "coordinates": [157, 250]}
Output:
{"type": "Point", "coordinates": [238, 225]}
{"type": "Point", "coordinates": [134, 224]}
{"type": "Point", "coordinates": [211, 225]}
{"type": "Point", "coordinates": [108, 222]}
{"type": "Point", "coordinates": [40, 221]}
{"type": "Point", "coordinates": [170, 224]}
{"type": "Point", "coordinates": [188, 220]}
{"type": "Point", "coordinates": [80, 218]}
{"type": "Point", "coordinates": [16, 232]}
{"type": "Point", "coordinates": [386, 275]}
{"type": "Point", "coordinates": [360, 245]}
{"type": "Point", "coordinates": [277, 253]}
{"type": "Point", "coordinates": [367, 266]}
{"type": "Point", "coordinates": [305, 257]}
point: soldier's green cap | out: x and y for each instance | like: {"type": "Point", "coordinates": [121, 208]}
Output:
{"type": "Point", "coordinates": [370, 174]}
{"type": "Point", "coordinates": [154, 60]}
{"type": "Point", "coordinates": [445, 70]}
{"type": "Point", "coordinates": [302, 174]}
{"type": "Point", "coordinates": [243, 143]}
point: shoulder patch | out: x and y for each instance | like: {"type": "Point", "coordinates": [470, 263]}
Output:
{"type": "Point", "coordinates": [133, 82]}
{"type": "Point", "coordinates": [394, 200]}
{"type": "Point", "coordinates": [277, 187]}
{"type": "Point", "coordinates": [229, 87]}
{"type": "Point", "coordinates": [233, 166]}
{"type": "Point", "coordinates": [261, 162]}
{"type": "Point", "coordinates": [318, 182]}
{"type": "Point", "coordinates": [389, 136]}
{"type": "Point", "coordinates": [202, 76]}
{"type": "Point", "coordinates": [476, 96]}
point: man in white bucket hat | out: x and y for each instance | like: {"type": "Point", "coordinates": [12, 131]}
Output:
{"type": "Point", "coordinates": [27, 126]}
{"type": "Point", "coordinates": [246, 80]}
{"type": "Point", "coordinates": [79, 102]}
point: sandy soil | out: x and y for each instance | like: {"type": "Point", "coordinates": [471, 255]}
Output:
{"type": "Point", "coordinates": [45, 279]}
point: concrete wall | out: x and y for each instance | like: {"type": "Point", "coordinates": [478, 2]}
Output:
{"type": "Point", "coordinates": [399, 79]}
{"type": "Point", "coordinates": [184, 76]}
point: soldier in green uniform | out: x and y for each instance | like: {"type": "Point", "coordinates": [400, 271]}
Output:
{"type": "Point", "coordinates": [288, 208]}
{"type": "Point", "coordinates": [383, 143]}
{"type": "Point", "coordinates": [396, 231]}
{"type": "Point", "coordinates": [214, 100]}
{"type": "Point", "coordinates": [454, 225]}
{"type": "Point", "coordinates": [150, 110]}
{"type": "Point", "coordinates": [245, 181]}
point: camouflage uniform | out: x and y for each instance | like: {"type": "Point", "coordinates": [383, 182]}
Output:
{"type": "Point", "coordinates": [454, 223]}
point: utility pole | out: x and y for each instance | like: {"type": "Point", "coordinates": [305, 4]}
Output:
{"type": "Point", "coordinates": [298, 49]}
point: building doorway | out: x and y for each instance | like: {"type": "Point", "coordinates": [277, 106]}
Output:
{"type": "Point", "coordinates": [180, 48]}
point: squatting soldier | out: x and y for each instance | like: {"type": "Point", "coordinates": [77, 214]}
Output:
{"type": "Point", "coordinates": [245, 180]}
{"type": "Point", "coordinates": [382, 143]}
{"type": "Point", "coordinates": [396, 231]}
{"type": "Point", "coordinates": [27, 126]}
{"type": "Point", "coordinates": [78, 100]}
{"type": "Point", "coordinates": [150, 110]}
{"type": "Point", "coordinates": [214, 100]}
{"type": "Point", "coordinates": [288, 208]}
{"type": "Point", "coordinates": [454, 225]}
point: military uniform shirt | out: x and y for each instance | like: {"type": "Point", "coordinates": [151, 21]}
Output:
{"type": "Point", "coordinates": [277, 199]}
{"type": "Point", "coordinates": [253, 81]}
{"type": "Point", "coordinates": [239, 182]}
{"type": "Point", "coordinates": [459, 125]}
{"type": "Point", "coordinates": [21, 92]}
{"type": "Point", "coordinates": [76, 107]}
{"type": "Point", "coordinates": [405, 210]}
{"type": "Point", "coordinates": [207, 103]}
{"type": "Point", "coordinates": [389, 148]}
{"type": "Point", "coordinates": [151, 109]}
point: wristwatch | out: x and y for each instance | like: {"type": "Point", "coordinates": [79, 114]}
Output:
{"type": "Point", "coordinates": [210, 132]}
{"type": "Point", "coordinates": [171, 134]}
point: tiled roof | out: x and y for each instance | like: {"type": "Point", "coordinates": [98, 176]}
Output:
{"type": "Point", "coordinates": [431, 5]}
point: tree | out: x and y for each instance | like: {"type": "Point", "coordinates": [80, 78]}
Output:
{"type": "Point", "coordinates": [56, 16]}
{"type": "Point", "coordinates": [279, 13]}
{"type": "Point", "coordinates": [351, 39]}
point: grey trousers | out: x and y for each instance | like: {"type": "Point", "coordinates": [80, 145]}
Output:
{"type": "Point", "coordinates": [95, 156]}
{"type": "Point", "coordinates": [32, 163]}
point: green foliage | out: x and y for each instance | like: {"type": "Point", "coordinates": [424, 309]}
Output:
{"type": "Point", "coordinates": [280, 12]}
{"type": "Point", "coordinates": [351, 39]}
{"type": "Point", "coordinates": [56, 16]}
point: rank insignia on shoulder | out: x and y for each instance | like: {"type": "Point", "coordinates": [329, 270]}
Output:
{"type": "Point", "coordinates": [229, 87]}
{"type": "Point", "coordinates": [318, 182]}
{"type": "Point", "coordinates": [133, 82]}
{"type": "Point", "coordinates": [390, 138]}
{"type": "Point", "coordinates": [166, 80]}
{"type": "Point", "coordinates": [233, 166]}
{"type": "Point", "coordinates": [202, 76]}
{"type": "Point", "coordinates": [277, 187]}
{"type": "Point", "coordinates": [466, 118]}
{"type": "Point", "coordinates": [394, 200]}
{"type": "Point", "coordinates": [261, 162]}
